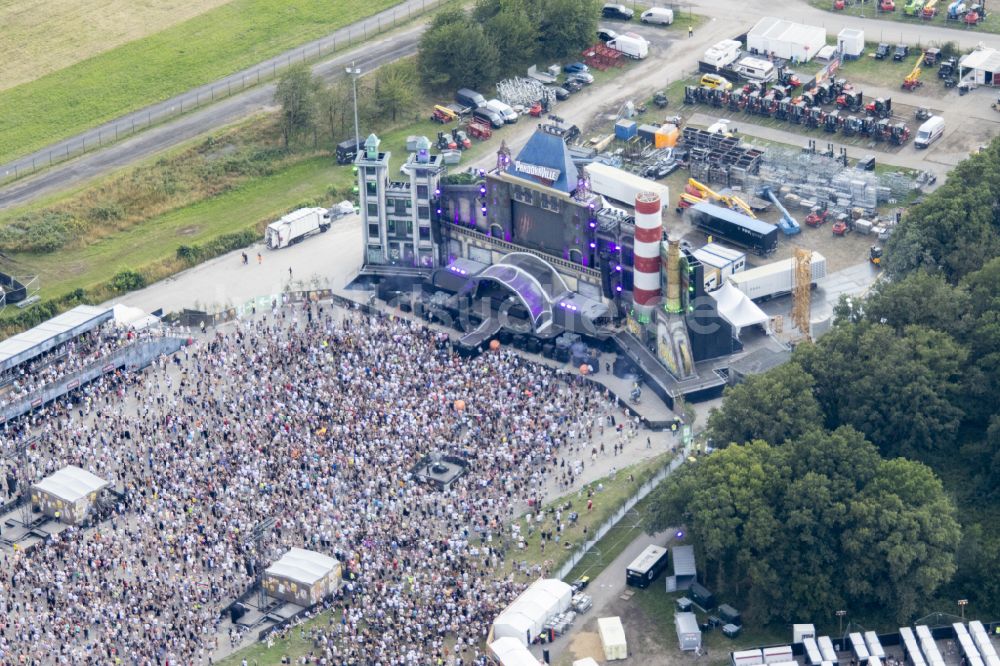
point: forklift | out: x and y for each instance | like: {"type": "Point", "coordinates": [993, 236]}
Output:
{"type": "Point", "coordinates": [875, 255]}
{"type": "Point", "coordinates": [814, 117]}
{"type": "Point", "coordinates": [879, 107]}
{"type": "Point", "coordinates": [798, 113]}
{"type": "Point", "coordinates": [899, 134]}
{"type": "Point", "coordinates": [852, 125]}
{"type": "Point", "coordinates": [784, 108]}
{"type": "Point", "coordinates": [850, 100]}
{"type": "Point", "coordinates": [445, 141]}
{"type": "Point", "coordinates": [832, 122]}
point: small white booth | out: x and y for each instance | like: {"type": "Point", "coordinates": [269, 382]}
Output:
{"type": "Point", "coordinates": [612, 635]}
{"type": "Point", "coordinates": [302, 577]}
{"type": "Point", "coordinates": [525, 617]}
{"type": "Point", "coordinates": [68, 494]}
{"type": "Point", "coordinates": [510, 652]}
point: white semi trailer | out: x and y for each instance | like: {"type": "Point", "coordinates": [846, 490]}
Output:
{"type": "Point", "coordinates": [776, 279]}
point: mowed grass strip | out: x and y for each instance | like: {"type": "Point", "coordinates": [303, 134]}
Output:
{"type": "Point", "coordinates": [207, 47]}
{"type": "Point", "coordinates": [43, 37]}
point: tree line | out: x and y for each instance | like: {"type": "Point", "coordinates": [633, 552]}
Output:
{"type": "Point", "coordinates": [315, 111]}
{"type": "Point", "coordinates": [865, 473]}
{"type": "Point", "coordinates": [499, 38]}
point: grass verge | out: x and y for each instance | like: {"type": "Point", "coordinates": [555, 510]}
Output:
{"type": "Point", "coordinates": [202, 49]}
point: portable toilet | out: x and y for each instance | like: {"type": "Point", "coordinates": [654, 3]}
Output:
{"type": "Point", "coordinates": [851, 42]}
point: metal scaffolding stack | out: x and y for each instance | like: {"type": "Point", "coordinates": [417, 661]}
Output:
{"type": "Point", "coordinates": [717, 158]}
{"type": "Point", "coordinates": [520, 91]}
{"type": "Point", "coordinates": [814, 179]}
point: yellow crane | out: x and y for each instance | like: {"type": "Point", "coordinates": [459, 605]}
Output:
{"type": "Point", "coordinates": [912, 79]}
{"type": "Point", "coordinates": [697, 189]}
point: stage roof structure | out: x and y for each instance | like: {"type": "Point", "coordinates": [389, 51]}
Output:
{"type": "Point", "coordinates": [546, 160]}
{"type": "Point", "coordinates": [737, 308]}
{"type": "Point", "coordinates": [25, 346]}
{"type": "Point", "coordinates": [71, 483]}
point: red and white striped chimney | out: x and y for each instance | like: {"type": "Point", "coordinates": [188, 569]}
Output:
{"type": "Point", "coordinates": [648, 234]}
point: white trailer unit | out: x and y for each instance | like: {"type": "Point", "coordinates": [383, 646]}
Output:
{"type": "Point", "coordinates": [791, 41]}
{"type": "Point", "coordinates": [719, 262]}
{"type": "Point", "coordinates": [747, 658]}
{"type": "Point", "coordinates": [781, 654]}
{"type": "Point", "coordinates": [826, 649]}
{"type": "Point", "coordinates": [982, 641]}
{"type": "Point", "coordinates": [634, 47]}
{"type": "Point", "coordinates": [756, 69]}
{"type": "Point", "coordinates": [723, 54]}
{"type": "Point", "coordinates": [612, 635]}
{"type": "Point", "coordinates": [910, 647]}
{"type": "Point", "coordinates": [775, 279]}
{"type": "Point", "coordinates": [874, 645]}
{"type": "Point", "coordinates": [800, 632]}
{"type": "Point", "coordinates": [813, 655]}
{"type": "Point", "coordinates": [858, 646]}
{"type": "Point", "coordinates": [295, 226]}
{"type": "Point", "coordinates": [622, 186]}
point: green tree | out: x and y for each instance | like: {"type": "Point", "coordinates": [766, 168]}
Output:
{"type": "Point", "coordinates": [334, 110]}
{"type": "Point", "coordinates": [513, 31]}
{"type": "Point", "coordinates": [774, 406]}
{"type": "Point", "coordinates": [919, 298]}
{"type": "Point", "coordinates": [395, 88]}
{"type": "Point", "coordinates": [454, 52]}
{"type": "Point", "coordinates": [817, 523]}
{"type": "Point", "coordinates": [566, 26]}
{"type": "Point", "coordinates": [901, 391]}
{"type": "Point", "coordinates": [982, 379]}
{"type": "Point", "coordinates": [296, 93]}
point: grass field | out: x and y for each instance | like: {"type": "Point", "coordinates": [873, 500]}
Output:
{"type": "Point", "coordinates": [152, 245]}
{"type": "Point", "coordinates": [856, 8]}
{"type": "Point", "coordinates": [43, 37]}
{"type": "Point", "coordinates": [201, 49]}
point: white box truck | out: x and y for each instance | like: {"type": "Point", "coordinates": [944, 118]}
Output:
{"type": "Point", "coordinates": [622, 186]}
{"type": "Point", "coordinates": [634, 47]}
{"type": "Point", "coordinates": [296, 226]}
{"type": "Point", "coordinates": [775, 279]}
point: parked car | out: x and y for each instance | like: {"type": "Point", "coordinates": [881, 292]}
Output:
{"type": "Point", "coordinates": [881, 51]}
{"type": "Point", "coordinates": [659, 15]}
{"type": "Point", "coordinates": [575, 67]}
{"type": "Point", "coordinates": [572, 85]}
{"type": "Point", "coordinates": [716, 81]}
{"type": "Point", "coordinates": [490, 116]}
{"type": "Point", "coordinates": [561, 93]}
{"type": "Point", "coordinates": [470, 98]}
{"type": "Point", "coordinates": [615, 11]}
{"type": "Point", "coordinates": [902, 50]}
{"type": "Point", "coordinates": [606, 35]}
{"type": "Point", "coordinates": [586, 78]}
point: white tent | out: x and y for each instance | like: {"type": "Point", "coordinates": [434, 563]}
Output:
{"type": "Point", "coordinates": [524, 618]}
{"type": "Point", "coordinates": [127, 316]}
{"type": "Point", "coordinates": [67, 494]}
{"type": "Point", "coordinates": [982, 66]}
{"type": "Point", "coordinates": [737, 308]}
{"type": "Point", "coordinates": [302, 577]}
{"type": "Point", "coordinates": [791, 41]}
{"type": "Point", "coordinates": [612, 635]}
{"type": "Point", "coordinates": [510, 652]}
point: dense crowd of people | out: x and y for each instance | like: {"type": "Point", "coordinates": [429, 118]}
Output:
{"type": "Point", "coordinates": [313, 416]}
{"type": "Point", "coordinates": [63, 360]}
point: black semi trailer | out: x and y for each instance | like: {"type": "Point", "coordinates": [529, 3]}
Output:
{"type": "Point", "coordinates": [758, 236]}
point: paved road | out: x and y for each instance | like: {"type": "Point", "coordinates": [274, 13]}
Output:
{"type": "Point", "coordinates": [667, 63]}
{"type": "Point", "coordinates": [213, 114]}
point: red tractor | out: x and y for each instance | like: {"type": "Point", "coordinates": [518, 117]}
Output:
{"type": "Point", "coordinates": [838, 4]}
{"type": "Point", "coordinates": [536, 110]}
{"type": "Point", "coordinates": [887, 6]}
{"type": "Point", "coordinates": [817, 217]}
{"type": "Point", "coordinates": [842, 226]}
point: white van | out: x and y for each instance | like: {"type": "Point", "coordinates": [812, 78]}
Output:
{"type": "Point", "coordinates": [929, 132]}
{"type": "Point", "coordinates": [506, 112]}
{"type": "Point", "coordinates": [659, 15]}
{"type": "Point", "coordinates": [756, 69]}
